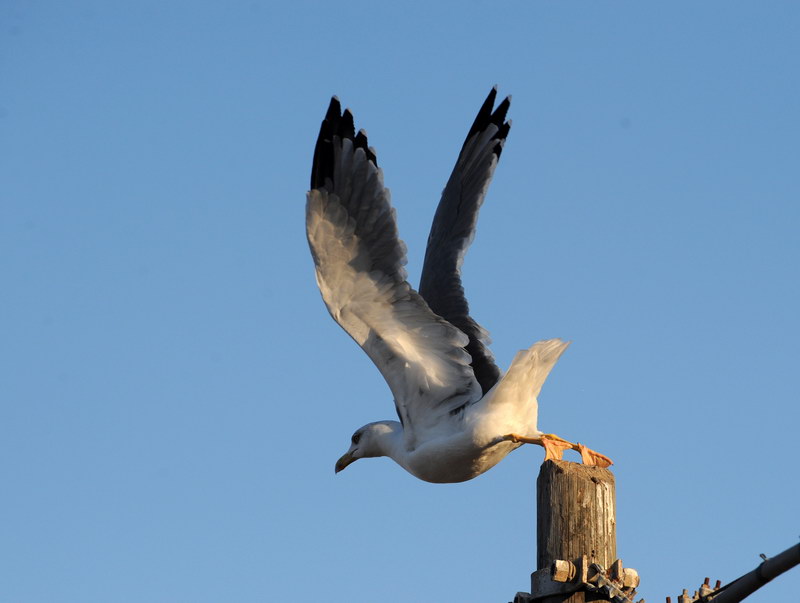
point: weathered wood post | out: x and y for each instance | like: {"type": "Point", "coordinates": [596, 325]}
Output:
{"type": "Point", "coordinates": [576, 516]}
{"type": "Point", "coordinates": [576, 540]}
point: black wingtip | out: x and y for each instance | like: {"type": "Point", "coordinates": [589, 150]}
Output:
{"type": "Point", "coordinates": [347, 128]}
{"type": "Point", "coordinates": [361, 142]}
{"type": "Point", "coordinates": [501, 138]}
{"type": "Point", "coordinates": [484, 113]}
{"type": "Point", "coordinates": [340, 125]}
{"type": "Point", "coordinates": [334, 109]}
{"type": "Point", "coordinates": [499, 115]}
{"type": "Point", "coordinates": [322, 165]}
{"type": "Point", "coordinates": [486, 116]}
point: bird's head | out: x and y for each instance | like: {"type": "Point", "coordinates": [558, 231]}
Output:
{"type": "Point", "coordinates": [368, 441]}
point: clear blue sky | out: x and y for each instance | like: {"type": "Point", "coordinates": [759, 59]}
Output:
{"type": "Point", "coordinates": [174, 394]}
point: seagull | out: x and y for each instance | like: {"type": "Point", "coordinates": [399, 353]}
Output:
{"type": "Point", "coordinates": [459, 415]}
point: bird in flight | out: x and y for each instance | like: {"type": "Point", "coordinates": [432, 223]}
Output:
{"type": "Point", "coordinates": [459, 415]}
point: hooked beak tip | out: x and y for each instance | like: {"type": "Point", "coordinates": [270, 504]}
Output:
{"type": "Point", "coordinates": [343, 462]}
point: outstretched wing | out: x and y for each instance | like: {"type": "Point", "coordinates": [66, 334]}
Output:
{"type": "Point", "coordinates": [360, 261]}
{"type": "Point", "coordinates": [454, 228]}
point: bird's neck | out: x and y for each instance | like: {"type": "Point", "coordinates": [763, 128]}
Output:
{"type": "Point", "coordinates": [390, 442]}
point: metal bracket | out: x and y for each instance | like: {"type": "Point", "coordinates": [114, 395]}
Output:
{"type": "Point", "coordinates": [565, 577]}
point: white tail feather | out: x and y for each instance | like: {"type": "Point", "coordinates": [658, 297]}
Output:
{"type": "Point", "coordinates": [517, 391]}
{"type": "Point", "coordinates": [531, 367]}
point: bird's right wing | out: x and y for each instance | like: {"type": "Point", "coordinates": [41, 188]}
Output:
{"type": "Point", "coordinates": [454, 228]}
{"type": "Point", "coordinates": [360, 261]}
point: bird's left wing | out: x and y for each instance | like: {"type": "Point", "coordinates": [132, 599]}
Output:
{"type": "Point", "coordinates": [360, 261]}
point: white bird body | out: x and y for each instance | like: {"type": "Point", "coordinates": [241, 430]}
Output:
{"type": "Point", "coordinates": [453, 457]}
{"type": "Point", "coordinates": [459, 416]}
{"type": "Point", "coordinates": [473, 442]}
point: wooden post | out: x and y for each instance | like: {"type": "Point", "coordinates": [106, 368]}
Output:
{"type": "Point", "coordinates": [575, 516]}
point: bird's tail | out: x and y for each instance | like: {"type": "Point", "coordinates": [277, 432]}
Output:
{"type": "Point", "coordinates": [520, 386]}
{"type": "Point", "coordinates": [531, 367]}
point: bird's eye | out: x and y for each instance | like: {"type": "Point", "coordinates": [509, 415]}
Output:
{"type": "Point", "coordinates": [356, 437]}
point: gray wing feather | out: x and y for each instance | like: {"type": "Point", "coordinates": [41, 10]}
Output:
{"type": "Point", "coordinates": [453, 230]}
{"type": "Point", "coordinates": [359, 260]}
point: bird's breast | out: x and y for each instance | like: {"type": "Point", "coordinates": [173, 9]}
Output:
{"type": "Point", "coordinates": [456, 459]}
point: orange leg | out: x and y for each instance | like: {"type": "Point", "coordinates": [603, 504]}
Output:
{"type": "Point", "coordinates": [555, 446]}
